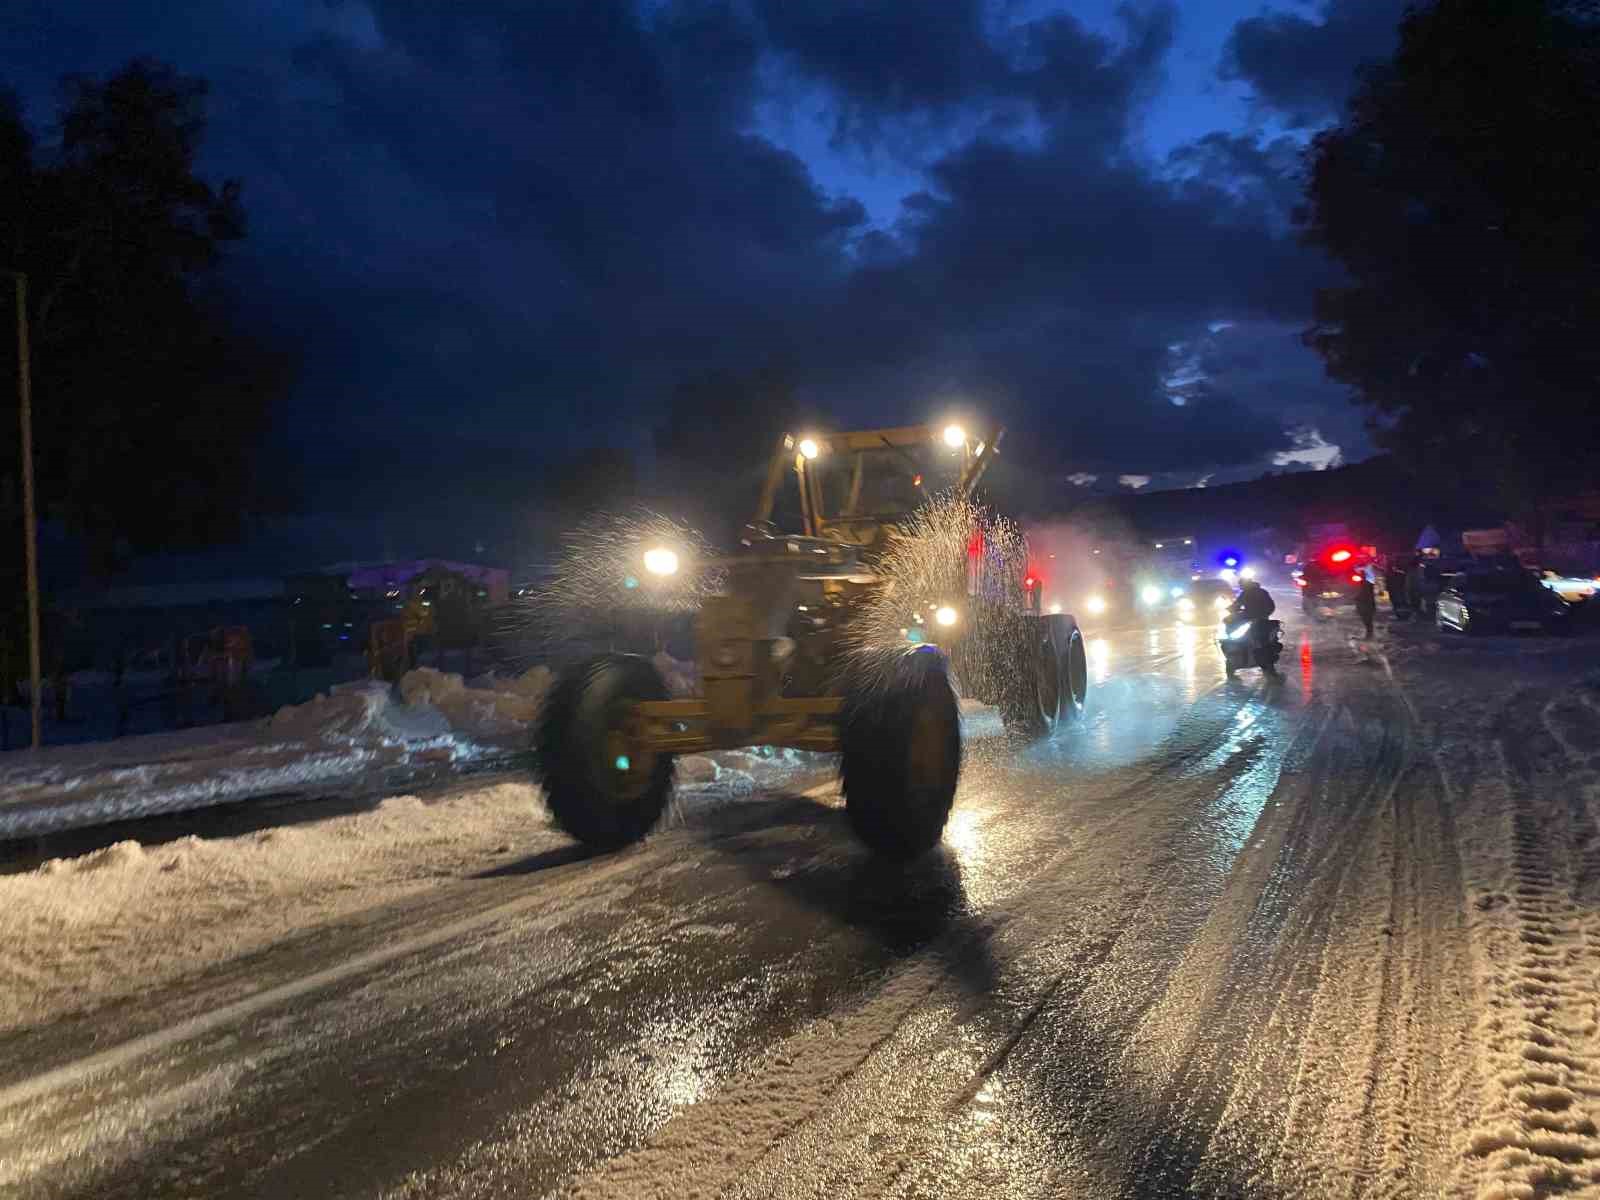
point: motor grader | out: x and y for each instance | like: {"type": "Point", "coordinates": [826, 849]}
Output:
{"type": "Point", "coordinates": [783, 661]}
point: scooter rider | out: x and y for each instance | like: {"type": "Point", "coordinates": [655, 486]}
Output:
{"type": "Point", "coordinates": [1255, 604]}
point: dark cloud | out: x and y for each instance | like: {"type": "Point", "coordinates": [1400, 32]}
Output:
{"type": "Point", "coordinates": [496, 231]}
{"type": "Point", "coordinates": [1306, 68]}
{"type": "Point", "coordinates": [917, 65]}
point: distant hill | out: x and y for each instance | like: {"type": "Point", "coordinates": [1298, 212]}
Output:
{"type": "Point", "coordinates": [1376, 497]}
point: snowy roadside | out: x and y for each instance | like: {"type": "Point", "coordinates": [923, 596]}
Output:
{"type": "Point", "coordinates": [1513, 743]}
{"type": "Point", "coordinates": [357, 733]}
{"type": "Point", "coordinates": [80, 933]}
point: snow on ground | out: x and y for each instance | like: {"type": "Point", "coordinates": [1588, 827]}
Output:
{"type": "Point", "coordinates": [85, 931]}
{"type": "Point", "coordinates": [1513, 734]}
{"type": "Point", "coordinates": [130, 917]}
{"type": "Point", "coordinates": [123, 919]}
{"type": "Point", "coordinates": [356, 733]}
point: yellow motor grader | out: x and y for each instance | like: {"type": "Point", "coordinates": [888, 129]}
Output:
{"type": "Point", "coordinates": [782, 659]}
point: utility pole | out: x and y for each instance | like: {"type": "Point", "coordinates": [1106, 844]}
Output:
{"type": "Point", "coordinates": [29, 517]}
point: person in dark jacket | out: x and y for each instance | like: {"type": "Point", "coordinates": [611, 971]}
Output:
{"type": "Point", "coordinates": [1414, 589]}
{"type": "Point", "coordinates": [1395, 580]}
{"type": "Point", "coordinates": [1367, 600]}
{"type": "Point", "coordinates": [1254, 603]}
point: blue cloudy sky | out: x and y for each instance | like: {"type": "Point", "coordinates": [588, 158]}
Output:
{"type": "Point", "coordinates": [497, 230]}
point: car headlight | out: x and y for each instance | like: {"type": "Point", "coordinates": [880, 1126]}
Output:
{"type": "Point", "coordinates": [946, 616]}
{"type": "Point", "coordinates": [1151, 594]}
{"type": "Point", "coordinates": [1095, 604]}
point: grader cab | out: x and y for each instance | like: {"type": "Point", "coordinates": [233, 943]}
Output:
{"type": "Point", "coordinates": [779, 651]}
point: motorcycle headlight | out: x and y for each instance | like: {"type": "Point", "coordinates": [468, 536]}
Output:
{"type": "Point", "coordinates": [1238, 631]}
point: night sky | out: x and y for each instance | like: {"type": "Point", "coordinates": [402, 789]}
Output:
{"type": "Point", "coordinates": [496, 231]}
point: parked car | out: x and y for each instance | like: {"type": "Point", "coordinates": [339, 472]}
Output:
{"type": "Point", "coordinates": [1326, 589]}
{"type": "Point", "coordinates": [1507, 600]}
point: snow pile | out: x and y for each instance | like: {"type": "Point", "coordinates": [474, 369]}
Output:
{"type": "Point", "coordinates": [69, 787]}
{"type": "Point", "coordinates": [434, 708]}
{"type": "Point", "coordinates": [362, 711]}
{"type": "Point", "coordinates": [343, 738]}
{"type": "Point", "coordinates": [489, 707]}
{"type": "Point", "coordinates": [129, 917]}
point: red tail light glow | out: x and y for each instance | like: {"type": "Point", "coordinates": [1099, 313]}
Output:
{"type": "Point", "coordinates": [1339, 556]}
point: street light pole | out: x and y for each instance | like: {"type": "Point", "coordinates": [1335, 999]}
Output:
{"type": "Point", "coordinates": [29, 519]}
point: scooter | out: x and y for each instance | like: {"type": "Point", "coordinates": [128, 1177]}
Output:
{"type": "Point", "coordinates": [1246, 643]}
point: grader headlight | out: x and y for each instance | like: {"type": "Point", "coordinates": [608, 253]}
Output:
{"type": "Point", "coordinates": [661, 561]}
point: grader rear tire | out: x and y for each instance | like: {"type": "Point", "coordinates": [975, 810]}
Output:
{"type": "Point", "coordinates": [1050, 684]}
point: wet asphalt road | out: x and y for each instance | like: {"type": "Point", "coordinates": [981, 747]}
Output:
{"type": "Point", "coordinates": [1135, 968]}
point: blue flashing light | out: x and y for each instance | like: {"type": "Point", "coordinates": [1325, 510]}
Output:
{"type": "Point", "coordinates": [623, 762]}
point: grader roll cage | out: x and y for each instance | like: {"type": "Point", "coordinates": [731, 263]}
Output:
{"type": "Point", "coordinates": [771, 653]}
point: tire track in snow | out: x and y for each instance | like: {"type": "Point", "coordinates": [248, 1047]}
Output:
{"type": "Point", "coordinates": [1280, 960]}
{"type": "Point", "coordinates": [1536, 1136]}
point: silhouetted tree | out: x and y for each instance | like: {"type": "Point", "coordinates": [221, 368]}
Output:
{"type": "Point", "coordinates": [1459, 195]}
{"type": "Point", "coordinates": [149, 404]}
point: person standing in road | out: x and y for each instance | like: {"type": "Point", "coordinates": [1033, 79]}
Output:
{"type": "Point", "coordinates": [1394, 579]}
{"type": "Point", "coordinates": [1414, 595]}
{"type": "Point", "coordinates": [1367, 599]}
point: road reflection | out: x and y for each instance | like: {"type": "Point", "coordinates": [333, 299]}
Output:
{"type": "Point", "coordinates": [1099, 661]}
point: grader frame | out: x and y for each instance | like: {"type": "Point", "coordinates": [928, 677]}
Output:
{"type": "Point", "coordinates": [737, 633]}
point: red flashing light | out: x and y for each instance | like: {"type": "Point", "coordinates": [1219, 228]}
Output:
{"type": "Point", "coordinates": [1339, 556]}
{"type": "Point", "coordinates": [975, 546]}
{"type": "Point", "coordinates": [1030, 583]}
